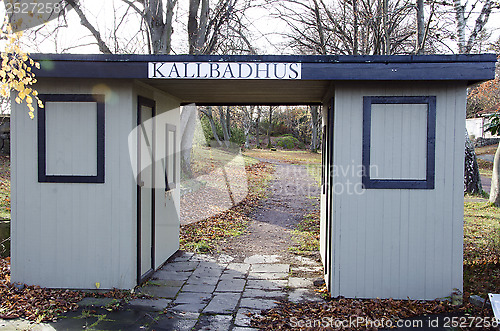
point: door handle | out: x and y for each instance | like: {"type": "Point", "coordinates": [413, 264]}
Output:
{"type": "Point", "coordinates": [141, 183]}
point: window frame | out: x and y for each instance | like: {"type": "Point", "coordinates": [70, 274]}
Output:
{"type": "Point", "coordinates": [429, 182]}
{"type": "Point", "coordinates": [99, 178]}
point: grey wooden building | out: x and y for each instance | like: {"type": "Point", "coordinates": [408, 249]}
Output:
{"type": "Point", "coordinates": [393, 160]}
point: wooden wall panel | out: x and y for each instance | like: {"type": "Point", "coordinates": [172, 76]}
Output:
{"type": "Point", "coordinates": [75, 234]}
{"type": "Point", "coordinates": [399, 243]}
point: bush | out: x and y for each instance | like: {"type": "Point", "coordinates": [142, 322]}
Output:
{"type": "Point", "coordinates": [289, 142]}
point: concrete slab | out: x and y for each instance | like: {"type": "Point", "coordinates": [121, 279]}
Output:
{"type": "Point", "coordinates": [306, 261]}
{"type": "Point", "coordinates": [255, 293]}
{"type": "Point", "coordinates": [233, 285]}
{"type": "Point", "coordinates": [267, 275]}
{"type": "Point", "coordinates": [231, 274]}
{"type": "Point", "coordinates": [186, 297]}
{"type": "Point", "coordinates": [96, 302]}
{"type": "Point", "coordinates": [184, 256]}
{"type": "Point", "coordinates": [204, 258]}
{"type": "Point", "coordinates": [262, 259]}
{"type": "Point", "coordinates": [189, 307]}
{"type": "Point", "coordinates": [180, 266]}
{"type": "Point", "coordinates": [243, 316]}
{"type": "Point", "coordinates": [256, 303]}
{"type": "Point", "coordinates": [223, 258]}
{"type": "Point", "coordinates": [238, 267]}
{"type": "Point", "coordinates": [149, 304]}
{"type": "Point", "coordinates": [307, 269]}
{"type": "Point", "coordinates": [214, 323]}
{"type": "Point", "coordinates": [222, 303]}
{"type": "Point", "coordinates": [171, 275]}
{"type": "Point", "coordinates": [208, 271]}
{"type": "Point", "coordinates": [268, 285]}
{"type": "Point", "coordinates": [199, 280]}
{"type": "Point", "coordinates": [303, 294]}
{"type": "Point", "coordinates": [168, 292]}
{"type": "Point", "coordinates": [298, 282]}
{"type": "Point", "coordinates": [198, 288]}
{"type": "Point", "coordinates": [270, 268]}
{"type": "Point", "coordinates": [174, 323]}
{"type": "Point", "coordinates": [166, 282]}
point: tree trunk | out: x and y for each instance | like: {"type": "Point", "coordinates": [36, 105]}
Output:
{"type": "Point", "coordinates": [314, 128]}
{"type": "Point", "coordinates": [495, 180]}
{"type": "Point", "coordinates": [188, 126]}
{"type": "Point", "coordinates": [460, 17]}
{"type": "Point", "coordinates": [228, 121]}
{"type": "Point", "coordinates": [420, 27]}
{"type": "Point", "coordinates": [270, 127]}
{"type": "Point", "coordinates": [208, 112]}
{"type": "Point", "coordinates": [247, 123]}
{"type": "Point", "coordinates": [257, 122]}
{"type": "Point", "coordinates": [472, 179]}
{"type": "Point", "coordinates": [223, 124]}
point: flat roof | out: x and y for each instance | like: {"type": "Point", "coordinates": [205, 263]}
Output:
{"type": "Point", "coordinates": [316, 73]}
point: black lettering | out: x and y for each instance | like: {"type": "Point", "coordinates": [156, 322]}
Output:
{"type": "Point", "coordinates": [259, 70]}
{"type": "Point", "coordinates": [214, 67]}
{"type": "Point", "coordinates": [186, 70]}
{"type": "Point", "coordinates": [241, 72]}
{"type": "Point", "coordinates": [174, 67]}
{"type": "Point", "coordinates": [156, 70]}
{"type": "Point", "coordinates": [199, 71]}
{"type": "Point", "coordinates": [276, 70]}
{"type": "Point", "coordinates": [295, 71]}
{"type": "Point", "coordinates": [228, 69]}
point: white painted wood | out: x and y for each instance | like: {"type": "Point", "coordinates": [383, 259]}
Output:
{"type": "Point", "coordinates": [75, 235]}
{"type": "Point", "coordinates": [399, 243]}
{"type": "Point", "coordinates": [167, 222]}
{"type": "Point", "coordinates": [71, 138]}
{"type": "Point", "coordinates": [386, 152]}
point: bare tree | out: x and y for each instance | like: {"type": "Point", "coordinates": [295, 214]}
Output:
{"type": "Point", "coordinates": [257, 122]}
{"type": "Point", "coordinates": [320, 27]}
{"type": "Point", "coordinates": [207, 111]}
{"type": "Point", "coordinates": [315, 128]}
{"type": "Point", "coordinates": [466, 45]}
{"type": "Point", "coordinates": [248, 113]}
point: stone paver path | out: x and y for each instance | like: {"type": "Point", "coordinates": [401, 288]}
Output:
{"type": "Point", "coordinates": [220, 294]}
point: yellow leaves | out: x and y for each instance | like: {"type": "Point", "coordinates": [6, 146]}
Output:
{"type": "Point", "coordinates": [16, 71]}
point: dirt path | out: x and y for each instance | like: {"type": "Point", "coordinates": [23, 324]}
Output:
{"type": "Point", "coordinates": [292, 194]}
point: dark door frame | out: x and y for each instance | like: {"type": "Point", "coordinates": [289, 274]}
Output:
{"type": "Point", "coordinates": [327, 189]}
{"type": "Point", "coordinates": [141, 277]}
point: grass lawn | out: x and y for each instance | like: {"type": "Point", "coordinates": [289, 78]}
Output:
{"type": "Point", "coordinates": [295, 157]}
{"type": "Point", "coordinates": [481, 248]}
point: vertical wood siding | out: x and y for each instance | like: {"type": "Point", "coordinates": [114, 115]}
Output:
{"type": "Point", "coordinates": [74, 235]}
{"type": "Point", "coordinates": [391, 124]}
{"type": "Point", "coordinates": [398, 243]}
{"type": "Point", "coordinates": [167, 221]}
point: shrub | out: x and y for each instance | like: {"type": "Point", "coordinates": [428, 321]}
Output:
{"type": "Point", "coordinates": [289, 142]}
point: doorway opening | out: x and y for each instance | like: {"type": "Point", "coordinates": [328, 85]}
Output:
{"type": "Point", "coordinates": [254, 181]}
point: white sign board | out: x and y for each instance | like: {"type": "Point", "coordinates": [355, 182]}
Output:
{"type": "Point", "coordinates": [224, 70]}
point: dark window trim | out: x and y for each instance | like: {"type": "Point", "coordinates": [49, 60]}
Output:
{"type": "Point", "coordinates": [428, 183]}
{"type": "Point", "coordinates": [170, 183]}
{"type": "Point", "coordinates": [42, 139]}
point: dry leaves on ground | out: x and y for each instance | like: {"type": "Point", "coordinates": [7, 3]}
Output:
{"type": "Point", "coordinates": [202, 235]}
{"type": "Point", "coordinates": [39, 304]}
{"type": "Point", "coordinates": [328, 315]}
